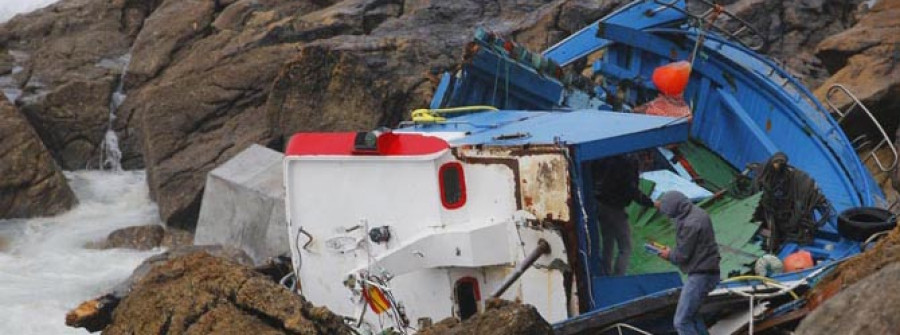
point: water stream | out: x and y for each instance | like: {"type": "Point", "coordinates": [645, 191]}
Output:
{"type": "Point", "coordinates": [45, 270]}
{"type": "Point", "coordinates": [110, 154]}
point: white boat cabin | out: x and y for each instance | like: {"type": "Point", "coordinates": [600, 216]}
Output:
{"type": "Point", "coordinates": [410, 227]}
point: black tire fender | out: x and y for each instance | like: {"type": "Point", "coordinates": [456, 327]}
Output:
{"type": "Point", "coordinates": [860, 223]}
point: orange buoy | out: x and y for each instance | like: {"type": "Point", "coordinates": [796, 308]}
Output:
{"type": "Point", "coordinates": [798, 261]}
{"type": "Point", "coordinates": [672, 78]}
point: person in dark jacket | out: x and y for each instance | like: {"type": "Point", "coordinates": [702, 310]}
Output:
{"type": "Point", "coordinates": [615, 186]}
{"type": "Point", "coordinates": [696, 254]}
{"type": "Point", "coordinates": [792, 206]}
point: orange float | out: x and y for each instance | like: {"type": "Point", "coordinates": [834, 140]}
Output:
{"type": "Point", "coordinates": [798, 261]}
{"type": "Point", "coordinates": [672, 78]}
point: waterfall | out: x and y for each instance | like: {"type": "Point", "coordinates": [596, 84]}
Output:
{"type": "Point", "coordinates": [8, 86]}
{"type": "Point", "coordinates": [110, 154]}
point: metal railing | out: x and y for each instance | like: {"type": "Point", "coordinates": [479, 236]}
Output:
{"type": "Point", "coordinates": [745, 33]}
{"type": "Point", "coordinates": [858, 105]}
{"type": "Point", "coordinates": [620, 326]}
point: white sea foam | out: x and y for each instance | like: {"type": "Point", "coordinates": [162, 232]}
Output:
{"type": "Point", "coordinates": [45, 269]}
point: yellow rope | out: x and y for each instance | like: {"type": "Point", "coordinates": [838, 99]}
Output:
{"type": "Point", "coordinates": [425, 115]}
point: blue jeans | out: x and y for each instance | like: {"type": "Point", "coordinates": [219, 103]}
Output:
{"type": "Point", "coordinates": [687, 314]}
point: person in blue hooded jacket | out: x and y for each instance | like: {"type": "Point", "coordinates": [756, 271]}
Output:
{"type": "Point", "coordinates": [696, 254]}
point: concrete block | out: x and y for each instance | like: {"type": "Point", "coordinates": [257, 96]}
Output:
{"type": "Point", "coordinates": [243, 205]}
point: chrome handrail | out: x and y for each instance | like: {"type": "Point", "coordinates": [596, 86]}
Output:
{"type": "Point", "coordinates": [753, 40]}
{"type": "Point", "coordinates": [858, 105]}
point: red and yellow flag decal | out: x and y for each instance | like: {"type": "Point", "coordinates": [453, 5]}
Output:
{"type": "Point", "coordinates": [376, 299]}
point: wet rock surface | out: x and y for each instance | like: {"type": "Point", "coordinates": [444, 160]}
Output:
{"type": "Point", "coordinates": [72, 120]}
{"type": "Point", "coordinates": [174, 238]}
{"type": "Point", "coordinates": [190, 291]}
{"type": "Point", "coordinates": [31, 184]}
{"type": "Point", "coordinates": [137, 237]}
{"type": "Point", "coordinates": [862, 308]}
{"type": "Point", "coordinates": [147, 237]}
{"type": "Point", "coordinates": [499, 318]}
{"type": "Point", "coordinates": [232, 255]}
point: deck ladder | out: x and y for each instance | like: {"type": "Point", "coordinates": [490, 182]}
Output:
{"type": "Point", "coordinates": [856, 105]}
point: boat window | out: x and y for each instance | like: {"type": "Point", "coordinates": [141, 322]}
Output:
{"type": "Point", "coordinates": [467, 296]}
{"type": "Point", "coordinates": [453, 185]}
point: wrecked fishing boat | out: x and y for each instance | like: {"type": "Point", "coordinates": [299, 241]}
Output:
{"type": "Point", "coordinates": [488, 192]}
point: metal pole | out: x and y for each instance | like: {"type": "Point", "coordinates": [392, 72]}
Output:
{"type": "Point", "coordinates": [542, 248]}
{"type": "Point", "coordinates": [751, 315]}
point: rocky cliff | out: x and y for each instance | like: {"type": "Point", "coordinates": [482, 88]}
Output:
{"type": "Point", "coordinates": [71, 58]}
{"type": "Point", "coordinates": [206, 79]}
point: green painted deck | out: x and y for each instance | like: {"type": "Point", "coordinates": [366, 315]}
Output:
{"type": "Point", "coordinates": [717, 174]}
{"type": "Point", "coordinates": [731, 219]}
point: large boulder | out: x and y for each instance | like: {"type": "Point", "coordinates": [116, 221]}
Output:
{"type": "Point", "coordinates": [96, 314]}
{"type": "Point", "coordinates": [72, 119]}
{"type": "Point", "coordinates": [146, 237]}
{"type": "Point", "coordinates": [243, 205]}
{"type": "Point", "coordinates": [31, 184]}
{"type": "Point", "coordinates": [198, 88]}
{"type": "Point", "coordinates": [197, 293]}
{"type": "Point", "coordinates": [863, 308]}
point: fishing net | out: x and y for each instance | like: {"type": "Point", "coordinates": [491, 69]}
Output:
{"type": "Point", "coordinates": [665, 105]}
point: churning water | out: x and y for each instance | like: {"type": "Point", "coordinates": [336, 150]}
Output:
{"type": "Point", "coordinates": [45, 270]}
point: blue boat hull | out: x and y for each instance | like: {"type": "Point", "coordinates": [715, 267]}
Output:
{"type": "Point", "coordinates": [745, 108]}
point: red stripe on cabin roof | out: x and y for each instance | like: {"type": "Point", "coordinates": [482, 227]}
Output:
{"type": "Point", "coordinates": [341, 144]}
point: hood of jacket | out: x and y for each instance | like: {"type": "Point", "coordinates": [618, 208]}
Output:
{"type": "Point", "coordinates": [674, 204]}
